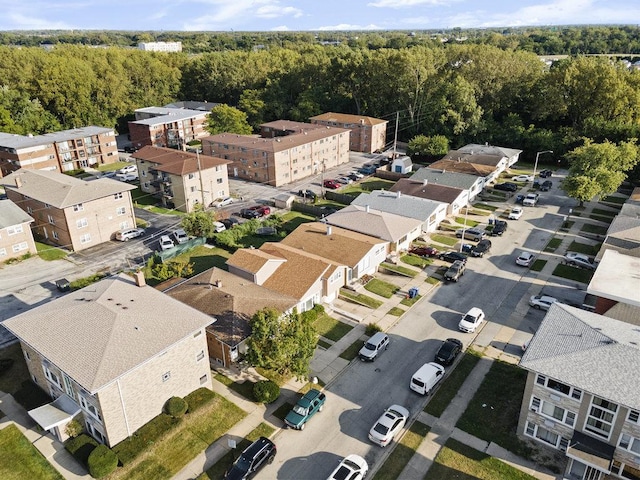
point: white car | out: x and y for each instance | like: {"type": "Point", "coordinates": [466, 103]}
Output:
{"type": "Point", "coordinates": [357, 174]}
{"type": "Point", "coordinates": [388, 425]}
{"type": "Point", "coordinates": [515, 213]}
{"type": "Point", "coordinates": [166, 243]}
{"type": "Point", "coordinates": [344, 180]}
{"type": "Point", "coordinates": [126, 177]}
{"type": "Point", "coordinates": [219, 227]}
{"type": "Point", "coordinates": [180, 235]}
{"type": "Point", "coordinates": [542, 302]}
{"type": "Point", "coordinates": [222, 202]}
{"type": "Point", "coordinates": [525, 259]}
{"type": "Point", "coordinates": [522, 178]}
{"type": "Point", "coordinates": [579, 260]}
{"type": "Point", "coordinates": [129, 233]}
{"type": "Point", "coordinates": [471, 320]}
{"type": "Point", "coordinates": [352, 467]}
{"type": "Point", "coordinates": [129, 169]}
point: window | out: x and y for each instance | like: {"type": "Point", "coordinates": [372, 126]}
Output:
{"type": "Point", "coordinates": [86, 238]}
{"type": "Point", "coordinates": [197, 334]}
{"type": "Point", "coordinates": [121, 211]}
{"type": "Point", "coordinates": [95, 413]}
{"type": "Point", "coordinates": [51, 220]}
{"type": "Point", "coordinates": [550, 410]}
{"type": "Point", "coordinates": [55, 235]}
{"type": "Point", "coordinates": [18, 247]}
{"type": "Point", "coordinates": [203, 379]}
{"type": "Point", "coordinates": [3, 252]}
{"type": "Point", "coordinates": [544, 435]}
{"type": "Point", "coordinates": [117, 196]}
{"type": "Point", "coordinates": [14, 230]}
{"type": "Point", "coordinates": [218, 180]}
{"type": "Point", "coordinates": [81, 223]}
{"type": "Point", "coordinates": [191, 176]}
{"type": "Point", "coordinates": [629, 443]}
{"type": "Point", "coordinates": [200, 356]}
{"type": "Point", "coordinates": [52, 377]}
{"type": "Point", "coordinates": [600, 417]}
{"type": "Point", "coordinates": [78, 208]}
{"type": "Point", "coordinates": [633, 416]}
{"type": "Point", "coordinates": [166, 376]}
{"type": "Point", "coordinates": [559, 387]}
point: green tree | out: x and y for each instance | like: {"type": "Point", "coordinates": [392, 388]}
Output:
{"type": "Point", "coordinates": [226, 119]}
{"type": "Point", "coordinates": [434, 146]}
{"type": "Point", "coordinates": [282, 343]}
{"type": "Point", "coordinates": [199, 223]}
{"type": "Point", "coordinates": [598, 169]}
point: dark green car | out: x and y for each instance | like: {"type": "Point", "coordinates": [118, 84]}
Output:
{"type": "Point", "coordinates": [307, 406]}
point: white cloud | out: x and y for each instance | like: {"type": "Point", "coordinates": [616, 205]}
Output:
{"type": "Point", "coordinates": [274, 11]}
{"type": "Point", "coordinates": [281, 28]}
{"type": "Point", "coordinates": [347, 26]}
{"type": "Point", "coordinates": [405, 3]}
{"type": "Point", "coordinates": [28, 22]}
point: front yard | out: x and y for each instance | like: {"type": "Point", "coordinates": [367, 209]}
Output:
{"type": "Point", "coordinates": [19, 459]}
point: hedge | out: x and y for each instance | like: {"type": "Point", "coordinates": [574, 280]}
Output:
{"type": "Point", "coordinates": [266, 391]}
{"type": "Point", "coordinates": [81, 447]}
{"type": "Point", "coordinates": [176, 407]}
{"type": "Point", "coordinates": [102, 461]}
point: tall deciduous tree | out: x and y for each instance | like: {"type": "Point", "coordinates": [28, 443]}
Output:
{"type": "Point", "coordinates": [226, 119]}
{"type": "Point", "coordinates": [598, 169]}
{"type": "Point", "coordinates": [199, 223]}
{"type": "Point", "coordinates": [281, 343]}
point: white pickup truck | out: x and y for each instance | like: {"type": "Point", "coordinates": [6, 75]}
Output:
{"type": "Point", "coordinates": [530, 200]}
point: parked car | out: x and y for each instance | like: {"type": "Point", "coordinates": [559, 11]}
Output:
{"type": "Point", "coordinates": [109, 174]}
{"type": "Point", "coordinates": [542, 302]}
{"type": "Point", "coordinates": [130, 149]}
{"type": "Point", "coordinates": [389, 425]}
{"type": "Point", "coordinates": [545, 173]}
{"type": "Point", "coordinates": [471, 320]}
{"type": "Point", "coordinates": [222, 202]}
{"type": "Point", "coordinates": [219, 227]}
{"type": "Point", "coordinates": [451, 256]}
{"type": "Point", "coordinates": [474, 234]}
{"type": "Point", "coordinates": [546, 186]}
{"type": "Point", "coordinates": [229, 222]}
{"type": "Point", "coordinates": [345, 180]}
{"type": "Point", "coordinates": [531, 200]}
{"type": "Point", "coordinates": [352, 467]}
{"type": "Point", "coordinates": [126, 177]}
{"type": "Point", "coordinates": [165, 242]}
{"type": "Point", "coordinates": [579, 260]}
{"type": "Point", "coordinates": [263, 210]}
{"type": "Point", "coordinates": [506, 187]}
{"type": "Point", "coordinates": [519, 199]}
{"type": "Point", "coordinates": [306, 407]}
{"type": "Point", "coordinates": [332, 184]}
{"type": "Point", "coordinates": [448, 351]}
{"type": "Point", "coordinates": [357, 175]}
{"type": "Point", "coordinates": [252, 460]}
{"type": "Point", "coordinates": [180, 235]}
{"type": "Point", "coordinates": [522, 178]}
{"type": "Point", "coordinates": [308, 194]}
{"type": "Point", "coordinates": [515, 213]}
{"type": "Point", "coordinates": [367, 170]}
{"type": "Point", "coordinates": [525, 259]}
{"type": "Point", "coordinates": [426, 378]}
{"type": "Point", "coordinates": [424, 251]}
{"type": "Point", "coordinates": [455, 271]}
{"type": "Point", "coordinates": [133, 168]}
{"type": "Point", "coordinates": [378, 342]}
{"type": "Point", "coordinates": [499, 227]}
{"type": "Point", "coordinates": [129, 233]}
{"type": "Point", "coordinates": [249, 213]}
{"type": "Point", "coordinates": [481, 248]}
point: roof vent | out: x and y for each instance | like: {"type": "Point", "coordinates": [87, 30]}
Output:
{"type": "Point", "coordinates": [425, 181]}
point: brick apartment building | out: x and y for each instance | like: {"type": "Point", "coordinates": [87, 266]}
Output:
{"type": "Point", "coordinates": [368, 134]}
{"type": "Point", "coordinates": [16, 238]}
{"type": "Point", "coordinates": [167, 126]}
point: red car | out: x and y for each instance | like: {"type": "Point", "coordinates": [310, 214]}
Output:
{"type": "Point", "coordinates": [331, 184]}
{"type": "Point", "coordinates": [424, 251]}
{"type": "Point", "coordinates": [263, 210]}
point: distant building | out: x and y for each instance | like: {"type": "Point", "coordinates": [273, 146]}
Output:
{"type": "Point", "coordinates": [62, 151]}
{"type": "Point", "coordinates": [168, 126]}
{"type": "Point", "coordinates": [368, 134]}
{"type": "Point", "coordinates": [160, 46]}
{"type": "Point", "coordinates": [284, 152]}
{"type": "Point", "coordinates": [16, 238]}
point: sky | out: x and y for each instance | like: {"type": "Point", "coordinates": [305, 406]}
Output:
{"type": "Point", "coordinates": [308, 15]}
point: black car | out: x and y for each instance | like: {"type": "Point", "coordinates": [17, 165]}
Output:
{"type": "Point", "coordinates": [307, 194]}
{"type": "Point", "coordinates": [249, 213]}
{"type": "Point", "coordinates": [452, 256]}
{"type": "Point", "coordinates": [506, 187]}
{"type": "Point", "coordinates": [448, 351]}
{"type": "Point", "coordinates": [499, 227]}
{"type": "Point", "coordinates": [130, 149]}
{"type": "Point", "coordinates": [546, 186]}
{"type": "Point", "coordinates": [519, 199]}
{"type": "Point", "coordinates": [481, 248]}
{"type": "Point", "coordinates": [229, 222]}
{"type": "Point", "coordinates": [252, 460]}
{"type": "Point", "coordinates": [545, 173]}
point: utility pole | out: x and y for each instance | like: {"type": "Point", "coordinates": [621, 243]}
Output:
{"type": "Point", "coordinates": [200, 177]}
{"type": "Point", "coordinates": [395, 137]}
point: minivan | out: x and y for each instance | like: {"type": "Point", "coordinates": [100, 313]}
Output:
{"type": "Point", "coordinates": [426, 378]}
{"type": "Point", "coordinates": [372, 347]}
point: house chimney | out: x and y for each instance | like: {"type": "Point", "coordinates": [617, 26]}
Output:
{"type": "Point", "coordinates": [425, 181]}
{"type": "Point", "coordinates": [18, 181]}
{"type": "Point", "coordinates": [219, 283]}
{"type": "Point", "coordinates": [366, 208]}
{"type": "Point", "coordinates": [139, 278]}
{"type": "Point", "coordinates": [398, 194]}
{"type": "Point", "coordinates": [329, 230]}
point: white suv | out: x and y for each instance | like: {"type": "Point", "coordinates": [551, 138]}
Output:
{"type": "Point", "coordinates": [180, 235]}
{"type": "Point", "coordinates": [166, 243]}
{"type": "Point", "coordinates": [129, 233]}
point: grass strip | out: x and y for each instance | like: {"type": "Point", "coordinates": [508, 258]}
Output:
{"type": "Point", "coordinates": [584, 248]}
{"type": "Point", "coordinates": [450, 386]}
{"type": "Point", "coordinates": [573, 273]}
{"type": "Point", "coordinates": [360, 298]}
{"type": "Point", "coordinates": [445, 240]}
{"type": "Point", "coordinates": [352, 350]}
{"type": "Point", "coordinates": [405, 449]}
{"type": "Point", "coordinates": [416, 260]}
{"type": "Point", "coordinates": [596, 229]}
{"type": "Point", "coordinates": [395, 311]}
{"type": "Point", "coordinates": [19, 459]}
{"type": "Point", "coordinates": [399, 269]}
{"type": "Point", "coordinates": [553, 244]}
{"type": "Point", "coordinates": [245, 388]}
{"type": "Point", "coordinates": [382, 288]}
{"type": "Point", "coordinates": [407, 302]}
{"type": "Point", "coordinates": [49, 253]}
{"type": "Point", "coordinates": [330, 328]}
{"type": "Point", "coordinates": [484, 206]}
{"type": "Point", "coordinates": [538, 265]}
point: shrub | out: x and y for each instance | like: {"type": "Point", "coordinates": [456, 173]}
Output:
{"type": "Point", "coordinates": [372, 328]}
{"type": "Point", "coordinates": [198, 398]}
{"type": "Point", "coordinates": [266, 391]}
{"type": "Point", "coordinates": [318, 308]}
{"type": "Point", "coordinates": [309, 316]}
{"type": "Point", "coordinates": [102, 461]}
{"type": "Point", "coordinates": [176, 407]}
{"type": "Point", "coordinates": [81, 447]}
{"type": "Point", "coordinates": [73, 428]}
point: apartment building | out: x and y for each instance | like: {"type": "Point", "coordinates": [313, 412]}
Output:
{"type": "Point", "coordinates": [62, 151]}
{"type": "Point", "coordinates": [182, 180]}
{"type": "Point", "coordinates": [167, 127]}
{"type": "Point", "coordinates": [110, 355]}
{"type": "Point", "coordinates": [71, 213]}
{"type": "Point", "coordinates": [16, 238]}
{"type": "Point", "coordinates": [284, 152]}
{"type": "Point", "coordinates": [160, 46]}
{"type": "Point", "coordinates": [368, 134]}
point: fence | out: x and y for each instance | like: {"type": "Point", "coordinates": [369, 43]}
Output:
{"type": "Point", "coordinates": [165, 255]}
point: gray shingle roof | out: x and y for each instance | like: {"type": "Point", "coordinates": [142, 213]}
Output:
{"type": "Point", "coordinates": [60, 190]}
{"type": "Point", "coordinates": [23, 141]}
{"type": "Point", "coordinates": [386, 226]}
{"type": "Point", "coordinates": [449, 179]}
{"type": "Point", "coordinates": [11, 214]}
{"type": "Point", "coordinates": [99, 333]}
{"type": "Point", "coordinates": [398, 204]}
{"type": "Point", "coordinates": [597, 354]}
{"type": "Point", "coordinates": [490, 150]}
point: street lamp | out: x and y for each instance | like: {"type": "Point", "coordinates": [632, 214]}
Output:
{"type": "Point", "coordinates": [535, 165]}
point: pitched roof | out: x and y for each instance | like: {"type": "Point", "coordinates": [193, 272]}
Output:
{"type": "Point", "coordinates": [24, 141]}
{"type": "Point", "coordinates": [623, 235]}
{"type": "Point", "coordinates": [589, 351]}
{"type": "Point", "coordinates": [443, 177]}
{"type": "Point", "coordinates": [490, 150]}
{"type": "Point", "coordinates": [99, 333]}
{"type": "Point", "coordinates": [251, 260]}
{"type": "Point", "coordinates": [340, 245]}
{"type": "Point", "coordinates": [387, 226]}
{"type": "Point", "coordinates": [439, 193]}
{"type": "Point", "coordinates": [348, 118]}
{"type": "Point", "coordinates": [475, 158]}
{"type": "Point", "coordinates": [177, 162]}
{"type": "Point", "coordinates": [11, 214]}
{"type": "Point", "coordinates": [463, 167]}
{"type": "Point", "coordinates": [60, 190]}
{"type": "Point", "coordinates": [231, 299]}
{"type": "Point", "coordinates": [398, 204]}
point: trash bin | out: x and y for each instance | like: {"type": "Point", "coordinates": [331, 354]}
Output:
{"type": "Point", "coordinates": [413, 292]}
{"type": "Point", "coordinates": [63, 285]}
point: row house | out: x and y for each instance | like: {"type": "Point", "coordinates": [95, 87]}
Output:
{"type": "Point", "coordinates": [16, 238]}
{"type": "Point", "coordinates": [68, 212]}
{"type": "Point", "coordinates": [474, 184]}
{"type": "Point", "coordinates": [368, 134]}
{"type": "Point", "coordinates": [110, 356]}
{"type": "Point", "coordinates": [284, 152]}
{"type": "Point", "coordinates": [62, 151]}
{"type": "Point", "coordinates": [454, 198]}
{"type": "Point", "coordinates": [181, 180]}
{"type": "Point", "coordinates": [167, 127]}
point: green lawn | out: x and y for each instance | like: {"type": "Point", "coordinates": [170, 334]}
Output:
{"type": "Point", "coordinates": [456, 461]}
{"type": "Point", "coordinates": [245, 388]}
{"type": "Point", "coordinates": [484, 206]}
{"type": "Point", "coordinates": [573, 273]}
{"type": "Point", "coordinates": [19, 459]}
{"type": "Point", "coordinates": [538, 265]}
{"type": "Point", "coordinates": [469, 222]}
{"type": "Point", "coordinates": [410, 301]}
{"type": "Point", "coordinates": [330, 328]}
{"type": "Point", "coordinates": [399, 269]}
{"type": "Point", "coordinates": [12, 380]}
{"type": "Point", "coordinates": [553, 244]}
{"type": "Point", "coordinates": [596, 229]}
{"type": "Point", "coordinates": [361, 299]}
{"type": "Point", "coordinates": [292, 220]}
{"type": "Point", "coordinates": [396, 312]}
{"type": "Point", "coordinates": [352, 350]}
{"type": "Point", "coordinates": [321, 343]}
{"type": "Point", "coordinates": [402, 453]}
{"type": "Point", "coordinates": [382, 288]}
{"type": "Point", "coordinates": [450, 241]}
{"type": "Point", "coordinates": [203, 258]}
{"type": "Point", "coordinates": [612, 199]}
{"type": "Point", "coordinates": [416, 261]}
{"type": "Point", "coordinates": [450, 386]}
{"type": "Point", "coordinates": [368, 185]}
{"type": "Point", "coordinates": [584, 248]}
{"type": "Point", "coordinates": [49, 253]}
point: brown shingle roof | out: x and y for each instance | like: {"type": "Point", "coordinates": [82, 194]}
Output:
{"type": "Point", "coordinates": [463, 167]}
{"type": "Point", "coordinates": [440, 193]}
{"type": "Point", "coordinates": [177, 162]}
{"type": "Point", "coordinates": [476, 158]}
{"type": "Point", "coordinates": [251, 260]}
{"type": "Point", "coordinates": [348, 118]}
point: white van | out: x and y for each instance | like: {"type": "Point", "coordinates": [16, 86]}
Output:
{"type": "Point", "coordinates": [426, 378]}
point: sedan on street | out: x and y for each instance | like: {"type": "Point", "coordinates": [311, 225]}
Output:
{"type": "Point", "coordinates": [471, 320]}
{"type": "Point", "coordinates": [352, 467]}
{"type": "Point", "coordinates": [389, 425]}
{"type": "Point", "coordinates": [448, 351]}
{"type": "Point", "coordinates": [522, 178]}
{"type": "Point", "coordinates": [452, 256]}
{"type": "Point", "coordinates": [542, 302]}
{"type": "Point", "coordinates": [424, 251]}
{"type": "Point", "coordinates": [525, 259]}
{"type": "Point", "coordinates": [515, 213]}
